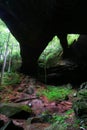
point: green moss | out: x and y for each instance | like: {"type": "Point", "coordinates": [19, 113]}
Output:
{"type": "Point", "coordinates": [69, 112]}
{"type": "Point", "coordinates": [55, 93]}
{"type": "Point", "coordinates": [26, 108]}
{"type": "Point", "coordinates": [11, 78]}
{"type": "Point", "coordinates": [10, 109]}
{"type": "Point", "coordinates": [60, 119]}
{"type": "Point", "coordinates": [2, 88]}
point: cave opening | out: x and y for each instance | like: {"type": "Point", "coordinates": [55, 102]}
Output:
{"type": "Point", "coordinates": [10, 56]}
{"type": "Point", "coordinates": [48, 60]}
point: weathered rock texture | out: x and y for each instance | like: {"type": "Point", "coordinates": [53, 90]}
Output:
{"type": "Point", "coordinates": [73, 67]}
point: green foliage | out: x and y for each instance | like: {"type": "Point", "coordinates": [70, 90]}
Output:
{"type": "Point", "coordinates": [55, 93]}
{"type": "Point", "coordinates": [78, 123]}
{"type": "Point", "coordinates": [16, 64]}
{"type": "Point", "coordinates": [82, 93]}
{"type": "Point", "coordinates": [52, 53]}
{"type": "Point", "coordinates": [3, 38]}
{"type": "Point", "coordinates": [72, 37]}
{"type": "Point", "coordinates": [69, 112]}
{"type": "Point", "coordinates": [13, 51]}
{"type": "Point", "coordinates": [2, 88]}
{"type": "Point", "coordinates": [60, 119]}
{"type": "Point", "coordinates": [11, 79]}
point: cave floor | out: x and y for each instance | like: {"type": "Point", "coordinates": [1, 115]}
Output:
{"type": "Point", "coordinates": [26, 92]}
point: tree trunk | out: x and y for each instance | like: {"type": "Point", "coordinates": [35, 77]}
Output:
{"type": "Point", "coordinates": [10, 59]}
{"type": "Point", "coordinates": [5, 58]}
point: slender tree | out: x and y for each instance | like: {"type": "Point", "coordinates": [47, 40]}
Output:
{"type": "Point", "coordinates": [10, 58]}
{"type": "Point", "coordinates": [5, 58]}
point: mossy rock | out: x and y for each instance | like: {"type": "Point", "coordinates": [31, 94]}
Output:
{"type": "Point", "coordinates": [9, 109]}
{"type": "Point", "coordinates": [80, 108]}
{"type": "Point", "coordinates": [83, 93]}
{"type": "Point", "coordinates": [80, 104]}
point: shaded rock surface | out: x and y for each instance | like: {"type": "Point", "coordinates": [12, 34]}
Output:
{"type": "Point", "coordinates": [10, 125]}
{"type": "Point", "coordinates": [10, 109]}
{"type": "Point", "coordinates": [72, 67]}
{"type": "Point", "coordinates": [1, 123]}
{"type": "Point", "coordinates": [80, 104]}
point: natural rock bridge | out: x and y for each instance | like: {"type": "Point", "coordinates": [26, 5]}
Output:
{"type": "Point", "coordinates": [35, 22]}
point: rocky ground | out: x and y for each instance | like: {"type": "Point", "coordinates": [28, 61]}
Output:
{"type": "Point", "coordinates": [42, 113]}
